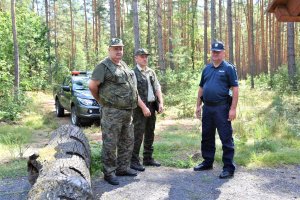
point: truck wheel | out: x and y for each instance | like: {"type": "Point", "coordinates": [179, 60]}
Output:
{"type": "Point", "coordinates": [74, 118]}
{"type": "Point", "coordinates": [60, 111]}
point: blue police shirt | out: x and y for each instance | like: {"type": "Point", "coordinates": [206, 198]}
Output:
{"type": "Point", "coordinates": [216, 82]}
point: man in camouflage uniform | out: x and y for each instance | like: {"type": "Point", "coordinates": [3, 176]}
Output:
{"type": "Point", "coordinates": [144, 115]}
{"type": "Point", "coordinates": [113, 85]}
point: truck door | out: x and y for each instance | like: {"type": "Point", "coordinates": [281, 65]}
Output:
{"type": "Point", "coordinates": [66, 95]}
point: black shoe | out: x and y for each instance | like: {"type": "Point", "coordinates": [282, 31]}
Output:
{"type": "Point", "coordinates": [202, 167]}
{"type": "Point", "coordinates": [151, 163]}
{"type": "Point", "coordinates": [111, 179]}
{"type": "Point", "coordinates": [137, 166]}
{"type": "Point", "coordinates": [226, 174]}
{"type": "Point", "coordinates": [128, 172]}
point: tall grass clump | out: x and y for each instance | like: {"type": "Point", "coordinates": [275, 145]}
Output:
{"type": "Point", "coordinates": [96, 164]}
{"type": "Point", "coordinates": [15, 139]}
{"type": "Point", "coordinates": [267, 125]}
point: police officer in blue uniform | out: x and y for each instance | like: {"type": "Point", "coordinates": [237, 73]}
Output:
{"type": "Point", "coordinates": [218, 92]}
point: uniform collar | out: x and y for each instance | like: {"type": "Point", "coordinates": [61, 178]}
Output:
{"type": "Point", "coordinates": [221, 64]}
{"type": "Point", "coordinates": [141, 69]}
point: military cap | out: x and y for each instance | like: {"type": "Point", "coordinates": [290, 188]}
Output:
{"type": "Point", "coordinates": [116, 42]}
{"type": "Point", "coordinates": [141, 52]}
{"type": "Point", "coordinates": [217, 46]}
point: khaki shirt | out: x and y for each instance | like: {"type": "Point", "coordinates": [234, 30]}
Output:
{"type": "Point", "coordinates": [147, 72]}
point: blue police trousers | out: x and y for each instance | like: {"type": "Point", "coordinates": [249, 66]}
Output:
{"type": "Point", "coordinates": [216, 118]}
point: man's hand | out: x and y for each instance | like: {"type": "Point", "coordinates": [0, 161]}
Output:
{"type": "Point", "coordinates": [146, 111]}
{"type": "Point", "coordinates": [232, 114]}
{"type": "Point", "coordinates": [160, 108]}
{"type": "Point", "coordinates": [198, 112]}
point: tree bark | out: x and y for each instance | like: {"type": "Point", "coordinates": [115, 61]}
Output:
{"type": "Point", "coordinates": [61, 169]}
{"type": "Point", "coordinates": [205, 31]}
{"type": "Point", "coordinates": [118, 18]}
{"type": "Point", "coordinates": [251, 43]}
{"type": "Point", "coordinates": [48, 40]}
{"type": "Point", "coordinates": [213, 20]}
{"type": "Point", "coordinates": [55, 35]}
{"type": "Point", "coordinates": [112, 18]}
{"type": "Point", "coordinates": [148, 26]}
{"type": "Point", "coordinates": [230, 32]}
{"type": "Point", "coordinates": [86, 42]}
{"type": "Point", "coordinates": [220, 20]}
{"type": "Point", "coordinates": [170, 27]}
{"type": "Point", "coordinates": [16, 51]}
{"type": "Point", "coordinates": [161, 60]}
{"type": "Point", "coordinates": [72, 59]}
{"type": "Point", "coordinates": [194, 12]}
{"type": "Point", "coordinates": [291, 54]}
{"type": "Point", "coordinates": [136, 25]}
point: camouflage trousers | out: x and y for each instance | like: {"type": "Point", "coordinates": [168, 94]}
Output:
{"type": "Point", "coordinates": [143, 130]}
{"type": "Point", "coordinates": [117, 137]}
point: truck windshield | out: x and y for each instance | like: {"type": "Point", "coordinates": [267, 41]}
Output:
{"type": "Point", "coordinates": [81, 83]}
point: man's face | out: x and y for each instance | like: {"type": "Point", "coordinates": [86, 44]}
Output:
{"type": "Point", "coordinates": [217, 56]}
{"type": "Point", "coordinates": [116, 52]}
{"type": "Point", "coordinates": [141, 60]}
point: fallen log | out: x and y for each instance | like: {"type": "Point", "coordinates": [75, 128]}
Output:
{"type": "Point", "coordinates": [61, 169]}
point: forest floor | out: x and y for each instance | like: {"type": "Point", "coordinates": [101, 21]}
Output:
{"type": "Point", "coordinates": [159, 183]}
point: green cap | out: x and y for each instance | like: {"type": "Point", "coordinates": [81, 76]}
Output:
{"type": "Point", "coordinates": [116, 42]}
{"type": "Point", "coordinates": [141, 52]}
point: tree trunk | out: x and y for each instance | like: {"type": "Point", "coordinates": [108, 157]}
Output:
{"type": "Point", "coordinates": [278, 45]}
{"type": "Point", "coordinates": [251, 36]}
{"type": "Point", "coordinates": [161, 60]}
{"type": "Point", "coordinates": [118, 18]}
{"type": "Point", "coordinates": [213, 21]}
{"type": "Point", "coordinates": [136, 25]}
{"type": "Point", "coordinates": [220, 20]}
{"type": "Point", "coordinates": [194, 12]}
{"type": "Point", "coordinates": [263, 58]}
{"type": "Point", "coordinates": [55, 35]}
{"type": "Point", "coordinates": [291, 54]}
{"type": "Point", "coordinates": [48, 40]}
{"type": "Point", "coordinates": [230, 32]}
{"type": "Point", "coordinates": [112, 18]}
{"type": "Point", "coordinates": [61, 169]}
{"type": "Point", "coordinates": [238, 40]}
{"type": "Point", "coordinates": [170, 27]}
{"type": "Point", "coordinates": [148, 26]}
{"type": "Point", "coordinates": [86, 42]}
{"type": "Point", "coordinates": [16, 51]}
{"type": "Point", "coordinates": [72, 59]}
{"type": "Point", "coordinates": [205, 31]}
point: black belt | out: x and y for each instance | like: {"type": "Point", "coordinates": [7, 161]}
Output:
{"type": "Point", "coordinates": [151, 103]}
{"type": "Point", "coordinates": [212, 103]}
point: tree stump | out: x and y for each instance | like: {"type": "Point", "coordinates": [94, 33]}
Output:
{"type": "Point", "coordinates": [61, 169]}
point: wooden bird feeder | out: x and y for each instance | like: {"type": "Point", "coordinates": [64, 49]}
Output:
{"type": "Point", "coordinates": [285, 10]}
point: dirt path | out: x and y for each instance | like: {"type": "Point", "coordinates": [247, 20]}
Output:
{"type": "Point", "coordinates": [165, 183]}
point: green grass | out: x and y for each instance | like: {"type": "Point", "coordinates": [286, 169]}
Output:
{"type": "Point", "coordinates": [266, 133]}
{"type": "Point", "coordinates": [14, 168]}
{"type": "Point", "coordinates": [14, 139]}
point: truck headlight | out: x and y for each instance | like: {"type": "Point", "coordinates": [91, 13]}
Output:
{"type": "Point", "coordinates": [86, 102]}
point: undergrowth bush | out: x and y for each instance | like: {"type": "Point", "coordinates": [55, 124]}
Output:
{"type": "Point", "coordinates": [15, 139]}
{"type": "Point", "coordinates": [180, 89]}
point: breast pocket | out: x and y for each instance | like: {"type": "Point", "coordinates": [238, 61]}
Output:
{"type": "Point", "coordinates": [120, 79]}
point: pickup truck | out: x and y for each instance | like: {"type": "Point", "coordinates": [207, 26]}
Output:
{"type": "Point", "coordinates": [74, 96]}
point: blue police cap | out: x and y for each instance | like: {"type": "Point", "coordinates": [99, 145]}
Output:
{"type": "Point", "coordinates": [217, 46]}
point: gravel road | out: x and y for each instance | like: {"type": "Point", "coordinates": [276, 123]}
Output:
{"type": "Point", "coordinates": [165, 183]}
